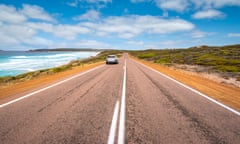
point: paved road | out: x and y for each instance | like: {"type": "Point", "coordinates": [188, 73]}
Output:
{"type": "Point", "coordinates": [83, 109]}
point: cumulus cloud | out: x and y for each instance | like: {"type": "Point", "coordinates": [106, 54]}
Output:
{"type": "Point", "coordinates": [215, 3]}
{"type": "Point", "coordinates": [132, 26]}
{"type": "Point", "coordinates": [183, 5]}
{"type": "Point", "coordinates": [36, 12]}
{"type": "Point", "coordinates": [198, 34]}
{"type": "Point", "coordinates": [38, 41]}
{"type": "Point", "coordinates": [210, 13]}
{"type": "Point", "coordinates": [81, 3]}
{"type": "Point", "coordinates": [15, 30]}
{"type": "Point", "coordinates": [176, 5]}
{"type": "Point", "coordinates": [18, 35]}
{"type": "Point", "coordinates": [9, 14]}
{"type": "Point", "coordinates": [89, 15]}
{"type": "Point", "coordinates": [19, 28]}
{"type": "Point", "coordinates": [68, 32]}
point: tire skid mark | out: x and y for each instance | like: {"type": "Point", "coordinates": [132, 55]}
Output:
{"type": "Point", "coordinates": [69, 92]}
{"type": "Point", "coordinates": [93, 122]}
{"type": "Point", "coordinates": [196, 123]}
{"type": "Point", "coordinates": [61, 98]}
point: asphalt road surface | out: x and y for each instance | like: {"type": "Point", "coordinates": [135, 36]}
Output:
{"type": "Point", "coordinates": [124, 103]}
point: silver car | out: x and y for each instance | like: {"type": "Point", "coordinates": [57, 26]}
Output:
{"type": "Point", "coordinates": [112, 59]}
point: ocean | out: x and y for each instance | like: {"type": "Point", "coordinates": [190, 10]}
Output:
{"type": "Point", "coordinates": [13, 63]}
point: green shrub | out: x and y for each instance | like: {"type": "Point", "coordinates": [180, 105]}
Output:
{"type": "Point", "coordinates": [163, 61]}
{"type": "Point", "coordinates": [146, 55]}
{"type": "Point", "coordinates": [228, 68]}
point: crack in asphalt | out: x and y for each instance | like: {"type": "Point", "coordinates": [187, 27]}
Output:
{"type": "Point", "coordinates": [200, 126]}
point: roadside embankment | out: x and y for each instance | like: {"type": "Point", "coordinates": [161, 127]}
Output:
{"type": "Point", "coordinates": [22, 86]}
{"type": "Point", "coordinates": [223, 93]}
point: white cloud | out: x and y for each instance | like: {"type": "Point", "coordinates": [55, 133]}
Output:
{"type": "Point", "coordinates": [89, 15]}
{"type": "Point", "coordinates": [176, 5]}
{"type": "Point", "coordinates": [19, 29]}
{"type": "Point", "coordinates": [215, 3]}
{"type": "Point", "coordinates": [36, 12]}
{"type": "Point", "coordinates": [45, 27]}
{"type": "Point", "coordinates": [209, 14]}
{"type": "Point", "coordinates": [37, 41]}
{"type": "Point", "coordinates": [132, 26]}
{"type": "Point", "coordinates": [198, 34]}
{"type": "Point", "coordinates": [9, 14]}
{"type": "Point", "coordinates": [183, 5]}
{"type": "Point", "coordinates": [82, 3]}
{"type": "Point", "coordinates": [73, 3]}
{"type": "Point", "coordinates": [17, 32]}
{"type": "Point", "coordinates": [68, 32]}
{"type": "Point", "coordinates": [233, 35]}
{"type": "Point", "coordinates": [16, 36]}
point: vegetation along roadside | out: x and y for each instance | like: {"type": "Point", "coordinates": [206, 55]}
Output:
{"type": "Point", "coordinates": [222, 61]}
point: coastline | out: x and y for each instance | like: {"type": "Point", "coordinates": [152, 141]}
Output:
{"type": "Point", "coordinates": [12, 85]}
{"type": "Point", "coordinates": [14, 63]}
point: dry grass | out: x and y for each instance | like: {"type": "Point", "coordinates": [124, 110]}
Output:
{"type": "Point", "coordinates": [206, 73]}
{"type": "Point", "coordinates": [223, 93]}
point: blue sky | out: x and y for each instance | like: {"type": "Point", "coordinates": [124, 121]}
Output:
{"type": "Point", "coordinates": [118, 24]}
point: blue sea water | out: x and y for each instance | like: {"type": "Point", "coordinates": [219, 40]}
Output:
{"type": "Point", "coordinates": [13, 63]}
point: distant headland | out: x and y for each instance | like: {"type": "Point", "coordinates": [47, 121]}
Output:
{"type": "Point", "coordinates": [64, 49]}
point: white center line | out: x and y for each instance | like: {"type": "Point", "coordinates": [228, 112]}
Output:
{"type": "Point", "coordinates": [121, 129]}
{"type": "Point", "coordinates": [122, 112]}
{"type": "Point", "coordinates": [114, 124]}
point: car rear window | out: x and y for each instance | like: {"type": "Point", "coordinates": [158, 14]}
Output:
{"type": "Point", "coordinates": [111, 56]}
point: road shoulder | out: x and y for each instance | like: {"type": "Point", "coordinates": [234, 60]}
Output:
{"type": "Point", "coordinates": [225, 94]}
{"type": "Point", "coordinates": [8, 91]}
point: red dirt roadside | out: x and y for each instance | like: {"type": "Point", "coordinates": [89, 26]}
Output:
{"type": "Point", "coordinates": [223, 93]}
{"type": "Point", "coordinates": [12, 89]}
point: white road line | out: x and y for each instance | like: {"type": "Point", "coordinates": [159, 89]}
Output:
{"type": "Point", "coordinates": [193, 90]}
{"type": "Point", "coordinates": [122, 112]}
{"type": "Point", "coordinates": [53, 85]}
{"type": "Point", "coordinates": [111, 136]}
